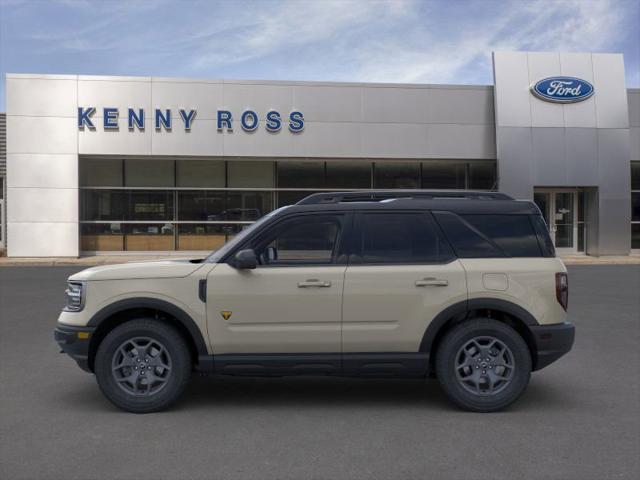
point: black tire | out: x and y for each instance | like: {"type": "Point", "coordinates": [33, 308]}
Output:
{"type": "Point", "coordinates": [476, 391]}
{"type": "Point", "coordinates": [170, 368]}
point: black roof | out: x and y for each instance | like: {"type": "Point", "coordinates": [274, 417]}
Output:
{"type": "Point", "coordinates": [457, 201]}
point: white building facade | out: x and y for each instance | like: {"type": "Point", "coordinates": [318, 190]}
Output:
{"type": "Point", "coordinates": [142, 164]}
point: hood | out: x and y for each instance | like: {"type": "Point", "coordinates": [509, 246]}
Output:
{"type": "Point", "coordinates": [138, 270]}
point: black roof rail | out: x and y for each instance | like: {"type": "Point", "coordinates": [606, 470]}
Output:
{"type": "Point", "coordinates": [380, 195]}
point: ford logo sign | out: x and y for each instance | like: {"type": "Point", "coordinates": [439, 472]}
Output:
{"type": "Point", "coordinates": [562, 89]}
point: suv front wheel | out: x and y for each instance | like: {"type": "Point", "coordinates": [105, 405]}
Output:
{"type": "Point", "coordinates": [483, 365]}
{"type": "Point", "coordinates": [143, 365]}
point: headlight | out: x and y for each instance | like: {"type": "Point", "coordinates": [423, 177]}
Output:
{"type": "Point", "coordinates": [75, 297]}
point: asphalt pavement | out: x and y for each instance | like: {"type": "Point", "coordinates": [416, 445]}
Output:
{"type": "Point", "coordinates": [579, 418]}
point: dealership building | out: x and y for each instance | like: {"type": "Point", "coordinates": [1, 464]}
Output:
{"type": "Point", "coordinates": [169, 165]}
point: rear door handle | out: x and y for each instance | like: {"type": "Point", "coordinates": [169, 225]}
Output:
{"type": "Point", "coordinates": [314, 283]}
{"type": "Point", "coordinates": [432, 282]}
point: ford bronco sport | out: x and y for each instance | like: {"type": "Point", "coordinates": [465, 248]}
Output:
{"type": "Point", "coordinates": [463, 286]}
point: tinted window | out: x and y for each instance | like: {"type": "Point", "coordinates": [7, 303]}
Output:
{"type": "Point", "coordinates": [466, 241]}
{"type": "Point", "coordinates": [401, 238]}
{"type": "Point", "coordinates": [480, 236]}
{"type": "Point", "coordinates": [310, 239]}
{"type": "Point", "coordinates": [514, 234]}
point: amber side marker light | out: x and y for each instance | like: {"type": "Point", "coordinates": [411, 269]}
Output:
{"type": "Point", "coordinates": [562, 289]}
{"type": "Point", "coordinates": [83, 335]}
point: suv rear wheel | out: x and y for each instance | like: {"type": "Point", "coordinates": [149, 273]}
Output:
{"type": "Point", "coordinates": [143, 365]}
{"type": "Point", "coordinates": [483, 365]}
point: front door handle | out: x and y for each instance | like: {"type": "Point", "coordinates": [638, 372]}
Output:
{"type": "Point", "coordinates": [314, 282]}
{"type": "Point", "coordinates": [432, 282]}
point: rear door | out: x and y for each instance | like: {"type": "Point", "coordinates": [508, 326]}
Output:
{"type": "Point", "coordinates": [402, 274]}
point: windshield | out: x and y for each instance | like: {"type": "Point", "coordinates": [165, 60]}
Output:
{"type": "Point", "coordinates": [216, 255]}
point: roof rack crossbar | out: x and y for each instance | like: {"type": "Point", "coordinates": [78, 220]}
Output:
{"type": "Point", "coordinates": [379, 195]}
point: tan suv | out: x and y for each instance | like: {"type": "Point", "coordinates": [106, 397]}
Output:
{"type": "Point", "coordinates": [463, 286]}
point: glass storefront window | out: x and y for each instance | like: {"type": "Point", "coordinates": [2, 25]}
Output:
{"type": "Point", "coordinates": [396, 174]}
{"type": "Point", "coordinates": [200, 205]}
{"type": "Point", "coordinates": [443, 175]}
{"type": "Point", "coordinates": [149, 173]}
{"type": "Point", "coordinates": [301, 175]}
{"type": "Point", "coordinates": [103, 205]}
{"type": "Point", "coordinates": [635, 175]}
{"type": "Point", "coordinates": [347, 175]}
{"type": "Point", "coordinates": [247, 206]}
{"type": "Point", "coordinates": [204, 236]}
{"type": "Point", "coordinates": [166, 192]}
{"type": "Point", "coordinates": [101, 172]}
{"type": "Point", "coordinates": [482, 176]}
{"type": "Point", "coordinates": [150, 205]}
{"type": "Point", "coordinates": [155, 237]}
{"type": "Point", "coordinates": [291, 198]}
{"type": "Point", "coordinates": [635, 235]}
{"type": "Point", "coordinates": [95, 237]}
{"type": "Point", "coordinates": [635, 206]}
{"type": "Point", "coordinates": [250, 174]}
{"type": "Point", "coordinates": [200, 173]}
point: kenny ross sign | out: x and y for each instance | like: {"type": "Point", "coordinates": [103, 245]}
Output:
{"type": "Point", "coordinates": [162, 119]}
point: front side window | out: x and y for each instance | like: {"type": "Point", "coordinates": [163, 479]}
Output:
{"type": "Point", "coordinates": [401, 238]}
{"type": "Point", "coordinates": [303, 240]}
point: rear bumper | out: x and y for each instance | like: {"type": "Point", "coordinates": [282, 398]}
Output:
{"type": "Point", "coordinates": [552, 342]}
{"type": "Point", "coordinates": [74, 341]}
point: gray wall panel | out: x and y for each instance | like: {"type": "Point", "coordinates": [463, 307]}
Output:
{"type": "Point", "coordinates": [582, 156]}
{"type": "Point", "coordinates": [515, 175]}
{"type": "Point", "coordinates": [612, 109]}
{"type": "Point", "coordinates": [544, 114]}
{"type": "Point", "coordinates": [581, 114]}
{"type": "Point", "coordinates": [633, 96]}
{"type": "Point", "coordinates": [461, 106]}
{"type": "Point", "coordinates": [549, 156]}
{"type": "Point", "coordinates": [395, 105]}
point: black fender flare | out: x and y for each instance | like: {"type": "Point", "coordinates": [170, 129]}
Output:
{"type": "Point", "coordinates": [156, 304]}
{"type": "Point", "coordinates": [460, 309]}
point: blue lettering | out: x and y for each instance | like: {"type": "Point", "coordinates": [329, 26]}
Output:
{"type": "Point", "coordinates": [163, 120]}
{"type": "Point", "coordinates": [110, 117]}
{"type": "Point", "coordinates": [84, 117]}
{"type": "Point", "coordinates": [274, 124]}
{"type": "Point", "coordinates": [249, 120]}
{"type": "Point", "coordinates": [296, 122]}
{"type": "Point", "coordinates": [187, 118]}
{"type": "Point", "coordinates": [225, 119]}
{"type": "Point", "coordinates": [136, 120]}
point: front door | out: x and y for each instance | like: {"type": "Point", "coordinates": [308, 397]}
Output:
{"type": "Point", "coordinates": [559, 208]}
{"type": "Point", "coordinates": [291, 303]}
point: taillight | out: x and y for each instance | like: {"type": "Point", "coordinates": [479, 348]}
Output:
{"type": "Point", "coordinates": [562, 289]}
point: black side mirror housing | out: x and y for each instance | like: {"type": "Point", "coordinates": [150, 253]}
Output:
{"type": "Point", "coordinates": [245, 260]}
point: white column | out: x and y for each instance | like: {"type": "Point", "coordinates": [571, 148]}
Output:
{"type": "Point", "coordinates": [42, 166]}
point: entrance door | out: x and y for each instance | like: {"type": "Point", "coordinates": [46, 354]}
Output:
{"type": "Point", "coordinates": [559, 208]}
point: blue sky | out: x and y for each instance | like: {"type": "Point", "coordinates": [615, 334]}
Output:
{"type": "Point", "coordinates": [438, 41]}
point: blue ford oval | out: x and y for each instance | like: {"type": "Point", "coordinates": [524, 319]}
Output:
{"type": "Point", "coordinates": [562, 89]}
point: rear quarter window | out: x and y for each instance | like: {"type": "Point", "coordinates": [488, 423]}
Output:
{"type": "Point", "coordinates": [490, 235]}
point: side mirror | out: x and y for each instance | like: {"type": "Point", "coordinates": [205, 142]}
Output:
{"type": "Point", "coordinates": [245, 260]}
{"type": "Point", "coordinates": [271, 254]}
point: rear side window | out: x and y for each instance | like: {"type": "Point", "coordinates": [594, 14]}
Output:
{"type": "Point", "coordinates": [467, 241]}
{"type": "Point", "coordinates": [513, 234]}
{"type": "Point", "coordinates": [393, 238]}
{"type": "Point", "coordinates": [485, 236]}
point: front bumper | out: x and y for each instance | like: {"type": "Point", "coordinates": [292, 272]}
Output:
{"type": "Point", "coordinates": [552, 342]}
{"type": "Point", "coordinates": [74, 341]}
